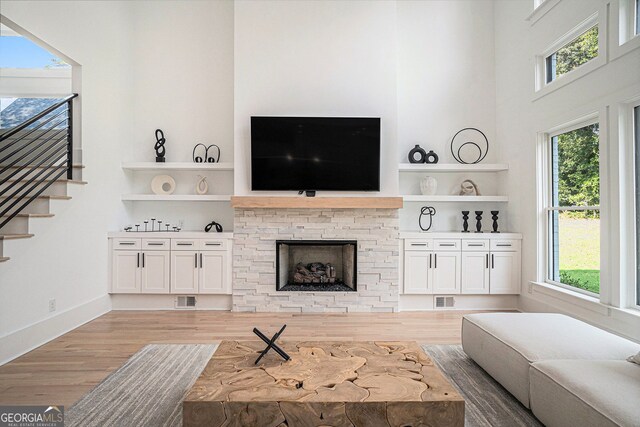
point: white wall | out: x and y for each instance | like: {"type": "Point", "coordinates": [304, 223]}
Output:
{"type": "Point", "coordinates": [67, 259]}
{"type": "Point", "coordinates": [520, 116]}
{"type": "Point", "coordinates": [446, 82]}
{"type": "Point", "coordinates": [315, 59]}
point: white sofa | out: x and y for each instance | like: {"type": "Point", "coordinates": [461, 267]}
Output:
{"type": "Point", "coordinates": [568, 372]}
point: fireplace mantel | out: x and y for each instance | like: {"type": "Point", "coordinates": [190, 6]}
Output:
{"type": "Point", "coordinates": [316, 202]}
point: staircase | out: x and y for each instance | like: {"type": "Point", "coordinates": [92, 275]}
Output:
{"type": "Point", "coordinates": [36, 170]}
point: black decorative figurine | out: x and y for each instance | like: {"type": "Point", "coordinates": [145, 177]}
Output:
{"type": "Point", "coordinates": [431, 157]}
{"type": "Point", "coordinates": [465, 221]}
{"type": "Point", "coordinates": [159, 146]}
{"type": "Point", "coordinates": [417, 155]}
{"type": "Point", "coordinates": [478, 221]}
{"type": "Point", "coordinates": [271, 344]}
{"type": "Point", "coordinates": [211, 225]}
{"type": "Point", "coordinates": [426, 210]}
{"type": "Point", "coordinates": [494, 217]}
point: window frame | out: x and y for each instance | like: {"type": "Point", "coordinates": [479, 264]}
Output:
{"type": "Point", "coordinates": [635, 135]}
{"type": "Point", "coordinates": [625, 20]}
{"type": "Point", "coordinates": [541, 86]}
{"type": "Point", "coordinates": [545, 201]}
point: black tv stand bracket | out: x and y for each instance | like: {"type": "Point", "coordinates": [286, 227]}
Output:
{"type": "Point", "coordinates": [308, 193]}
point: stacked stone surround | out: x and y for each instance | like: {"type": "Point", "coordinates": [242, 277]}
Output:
{"type": "Point", "coordinates": [254, 258]}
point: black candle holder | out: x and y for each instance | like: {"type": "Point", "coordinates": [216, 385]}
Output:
{"type": "Point", "coordinates": [478, 221]}
{"type": "Point", "coordinates": [465, 221]}
{"type": "Point", "coordinates": [494, 217]}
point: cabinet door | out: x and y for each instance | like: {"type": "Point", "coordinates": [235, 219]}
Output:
{"type": "Point", "coordinates": [213, 272]}
{"type": "Point", "coordinates": [155, 272]}
{"type": "Point", "coordinates": [446, 272]}
{"type": "Point", "coordinates": [125, 272]}
{"type": "Point", "coordinates": [417, 272]}
{"type": "Point", "coordinates": [184, 272]}
{"type": "Point", "coordinates": [475, 273]}
{"type": "Point", "coordinates": [505, 273]}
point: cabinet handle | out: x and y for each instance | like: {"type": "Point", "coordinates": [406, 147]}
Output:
{"type": "Point", "coordinates": [475, 245]}
{"type": "Point", "coordinates": [200, 259]}
{"type": "Point", "coordinates": [213, 244]}
{"type": "Point", "coordinates": [508, 245]}
{"type": "Point", "coordinates": [435, 260]}
{"type": "Point", "coordinates": [418, 244]}
{"type": "Point", "coordinates": [487, 260]}
{"type": "Point", "coordinates": [447, 245]}
{"type": "Point", "coordinates": [430, 260]}
{"type": "Point", "coordinates": [492, 262]}
{"type": "Point", "coordinates": [138, 259]}
{"type": "Point", "coordinates": [155, 244]}
{"type": "Point", "coordinates": [185, 244]}
{"type": "Point", "coordinates": [142, 259]}
{"type": "Point", "coordinates": [126, 243]}
{"type": "Point", "coordinates": [196, 256]}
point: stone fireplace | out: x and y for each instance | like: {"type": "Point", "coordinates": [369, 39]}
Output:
{"type": "Point", "coordinates": [316, 265]}
{"type": "Point", "coordinates": [256, 276]}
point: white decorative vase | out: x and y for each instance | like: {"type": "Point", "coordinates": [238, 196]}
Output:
{"type": "Point", "coordinates": [202, 187]}
{"type": "Point", "coordinates": [163, 185]}
{"type": "Point", "coordinates": [428, 186]}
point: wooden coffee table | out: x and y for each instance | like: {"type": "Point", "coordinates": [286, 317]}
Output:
{"type": "Point", "coordinates": [348, 383]}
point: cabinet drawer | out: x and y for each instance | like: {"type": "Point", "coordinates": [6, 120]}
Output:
{"type": "Point", "coordinates": [184, 244]}
{"type": "Point", "coordinates": [156, 244]}
{"type": "Point", "coordinates": [213, 244]}
{"type": "Point", "coordinates": [446, 245]}
{"type": "Point", "coordinates": [126, 244]}
{"type": "Point", "coordinates": [505, 245]}
{"type": "Point", "coordinates": [418, 245]}
{"type": "Point", "coordinates": [469, 245]}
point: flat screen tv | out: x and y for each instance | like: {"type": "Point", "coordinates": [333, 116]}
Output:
{"type": "Point", "coordinates": [315, 153]}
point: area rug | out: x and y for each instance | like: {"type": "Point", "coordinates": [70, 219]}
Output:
{"type": "Point", "coordinates": [146, 391]}
{"type": "Point", "coordinates": [487, 403]}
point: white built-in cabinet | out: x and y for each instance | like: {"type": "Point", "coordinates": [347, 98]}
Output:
{"type": "Point", "coordinates": [461, 265]}
{"type": "Point", "coordinates": [171, 265]}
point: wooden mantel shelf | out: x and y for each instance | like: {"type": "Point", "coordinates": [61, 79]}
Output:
{"type": "Point", "coordinates": [316, 202]}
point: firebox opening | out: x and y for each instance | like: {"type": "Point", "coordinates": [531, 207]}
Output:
{"type": "Point", "coordinates": [316, 265]}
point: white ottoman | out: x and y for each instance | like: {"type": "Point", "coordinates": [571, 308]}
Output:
{"type": "Point", "coordinates": [586, 393]}
{"type": "Point", "coordinates": [505, 344]}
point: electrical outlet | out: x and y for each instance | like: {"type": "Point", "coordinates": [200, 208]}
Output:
{"type": "Point", "coordinates": [52, 305]}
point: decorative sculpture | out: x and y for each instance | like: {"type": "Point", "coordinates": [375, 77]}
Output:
{"type": "Point", "coordinates": [466, 139]}
{"type": "Point", "coordinates": [494, 217]}
{"type": "Point", "coordinates": [271, 344]}
{"type": "Point", "coordinates": [426, 210]}
{"type": "Point", "coordinates": [201, 186]}
{"type": "Point", "coordinates": [417, 155]}
{"type": "Point", "coordinates": [159, 146]}
{"type": "Point", "coordinates": [478, 221]}
{"type": "Point", "coordinates": [465, 221]}
{"type": "Point", "coordinates": [431, 157]}
{"type": "Point", "coordinates": [428, 186]}
{"type": "Point", "coordinates": [469, 188]}
{"type": "Point", "coordinates": [211, 225]}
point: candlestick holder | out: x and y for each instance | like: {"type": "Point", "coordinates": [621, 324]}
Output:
{"type": "Point", "coordinates": [478, 221]}
{"type": "Point", "coordinates": [494, 217]}
{"type": "Point", "coordinates": [465, 221]}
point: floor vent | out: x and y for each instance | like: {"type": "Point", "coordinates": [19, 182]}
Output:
{"type": "Point", "coordinates": [445, 302]}
{"type": "Point", "coordinates": [186, 302]}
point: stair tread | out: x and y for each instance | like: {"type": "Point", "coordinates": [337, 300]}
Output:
{"type": "Point", "coordinates": [15, 236]}
{"type": "Point", "coordinates": [68, 181]}
{"type": "Point", "coordinates": [31, 215]}
{"type": "Point", "coordinates": [54, 197]}
{"type": "Point", "coordinates": [4, 258]}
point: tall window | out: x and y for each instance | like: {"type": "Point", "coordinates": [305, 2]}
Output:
{"type": "Point", "coordinates": [636, 126]}
{"type": "Point", "coordinates": [574, 54]}
{"type": "Point", "coordinates": [574, 210]}
{"type": "Point", "coordinates": [637, 17]}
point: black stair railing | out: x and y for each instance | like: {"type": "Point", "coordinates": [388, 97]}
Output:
{"type": "Point", "coordinates": [33, 155]}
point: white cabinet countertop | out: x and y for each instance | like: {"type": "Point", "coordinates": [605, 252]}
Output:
{"type": "Point", "coordinates": [457, 235]}
{"type": "Point", "coordinates": [170, 235]}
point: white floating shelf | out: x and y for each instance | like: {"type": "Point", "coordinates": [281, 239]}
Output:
{"type": "Point", "coordinates": [452, 167]}
{"type": "Point", "coordinates": [178, 166]}
{"type": "Point", "coordinates": [420, 198]}
{"type": "Point", "coordinates": [176, 198]}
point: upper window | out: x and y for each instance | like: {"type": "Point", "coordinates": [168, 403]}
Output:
{"type": "Point", "coordinates": [637, 17]}
{"type": "Point", "coordinates": [572, 55]}
{"type": "Point", "coordinates": [574, 210]}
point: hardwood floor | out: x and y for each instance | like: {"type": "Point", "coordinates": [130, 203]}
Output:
{"type": "Point", "coordinates": [63, 370]}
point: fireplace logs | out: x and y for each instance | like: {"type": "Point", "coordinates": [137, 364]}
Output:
{"type": "Point", "coordinates": [315, 272]}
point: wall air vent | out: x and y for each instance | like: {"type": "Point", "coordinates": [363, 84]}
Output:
{"type": "Point", "coordinates": [444, 302]}
{"type": "Point", "coordinates": [186, 302]}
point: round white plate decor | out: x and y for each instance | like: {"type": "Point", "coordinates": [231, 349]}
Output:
{"type": "Point", "coordinates": [163, 185]}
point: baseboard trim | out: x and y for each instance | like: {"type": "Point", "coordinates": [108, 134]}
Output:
{"type": "Point", "coordinates": [22, 341]}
